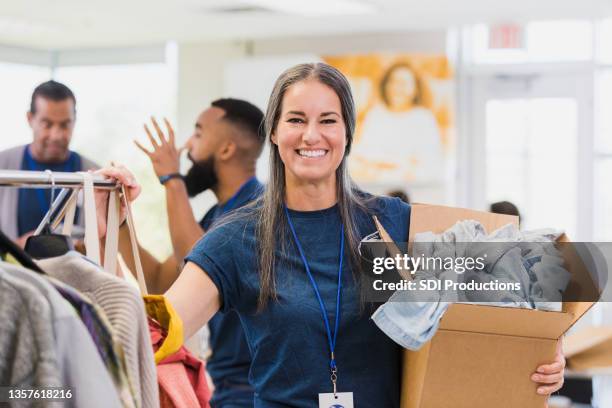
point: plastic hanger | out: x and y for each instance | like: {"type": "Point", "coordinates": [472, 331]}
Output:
{"type": "Point", "coordinates": [8, 246]}
{"type": "Point", "coordinates": [48, 244]}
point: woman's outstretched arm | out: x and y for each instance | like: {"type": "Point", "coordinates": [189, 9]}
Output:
{"type": "Point", "coordinates": [195, 298]}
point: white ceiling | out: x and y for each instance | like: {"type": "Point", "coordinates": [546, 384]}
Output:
{"type": "Point", "coordinates": [59, 24]}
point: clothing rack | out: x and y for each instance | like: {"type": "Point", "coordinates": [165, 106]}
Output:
{"type": "Point", "coordinates": [53, 215]}
{"type": "Point", "coordinates": [41, 179]}
{"type": "Point", "coordinates": [48, 179]}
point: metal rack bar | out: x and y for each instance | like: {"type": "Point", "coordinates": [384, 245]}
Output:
{"type": "Point", "coordinates": [41, 179]}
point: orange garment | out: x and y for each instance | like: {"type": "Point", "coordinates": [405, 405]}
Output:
{"type": "Point", "coordinates": [181, 376]}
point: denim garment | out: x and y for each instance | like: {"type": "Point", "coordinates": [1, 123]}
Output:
{"type": "Point", "coordinates": [525, 257]}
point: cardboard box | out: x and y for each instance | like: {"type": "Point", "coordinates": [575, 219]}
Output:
{"type": "Point", "coordinates": [484, 356]}
{"type": "Point", "coordinates": [589, 351]}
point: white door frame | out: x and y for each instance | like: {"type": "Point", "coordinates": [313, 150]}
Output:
{"type": "Point", "coordinates": [529, 82]}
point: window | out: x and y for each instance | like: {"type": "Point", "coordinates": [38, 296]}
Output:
{"type": "Point", "coordinates": [521, 167]}
{"type": "Point", "coordinates": [113, 103]}
{"type": "Point", "coordinates": [604, 42]}
{"type": "Point", "coordinates": [17, 82]}
{"type": "Point", "coordinates": [603, 97]}
{"type": "Point", "coordinates": [603, 155]}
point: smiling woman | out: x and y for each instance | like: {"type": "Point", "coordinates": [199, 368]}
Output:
{"type": "Point", "coordinates": [313, 140]}
{"type": "Point", "coordinates": [288, 263]}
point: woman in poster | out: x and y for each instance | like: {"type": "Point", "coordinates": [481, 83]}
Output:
{"type": "Point", "coordinates": [400, 139]}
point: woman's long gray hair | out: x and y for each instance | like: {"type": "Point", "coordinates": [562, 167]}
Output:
{"type": "Point", "coordinates": [272, 221]}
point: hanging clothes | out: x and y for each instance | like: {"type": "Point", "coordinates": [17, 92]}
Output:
{"type": "Point", "coordinates": [124, 308]}
{"type": "Point", "coordinates": [181, 376]}
{"type": "Point", "coordinates": [8, 258]}
{"type": "Point", "coordinates": [159, 309]}
{"type": "Point", "coordinates": [27, 347]}
{"type": "Point", "coordinates": [78, 364]}
{"type": "Point", "coordinates": [101, 332]}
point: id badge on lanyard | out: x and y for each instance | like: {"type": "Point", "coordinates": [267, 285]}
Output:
{"type": "Point", "coordinates": [331, 399]}
{"type": "Point", "coordinates": [338, 400]}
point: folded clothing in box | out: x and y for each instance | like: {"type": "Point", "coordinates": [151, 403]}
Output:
{"type": "Point", "coordinates": [411, 317]}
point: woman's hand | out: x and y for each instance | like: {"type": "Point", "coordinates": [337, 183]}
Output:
{"type": "Point", "coordinates": [132, 190]}
{"type": "Point", "coordinates": [550, 376]}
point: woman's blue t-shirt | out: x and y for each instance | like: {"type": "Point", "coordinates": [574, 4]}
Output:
{"type": "Point", "coordinates": [288, 342]}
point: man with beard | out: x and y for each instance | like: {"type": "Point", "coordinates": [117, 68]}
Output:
{"type": "Point", "coordinates": [224, 148]}
{"type": "Point", "coordinates": [51, 117]}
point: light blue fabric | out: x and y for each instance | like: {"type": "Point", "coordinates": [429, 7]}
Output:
{"type": "Point", "coordinates": [503, 261]}
{"type": "Point", "coordinates": [507, 267]}
{"type": "Point", "coordinates": [408, 322]}
{"type": "Point", "coordinates": [544, 264]}
{"type": "Point", "coordinates": [411, 318]}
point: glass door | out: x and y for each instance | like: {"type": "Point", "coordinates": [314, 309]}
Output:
{"type": "Point", "coordinates": [533, 139]}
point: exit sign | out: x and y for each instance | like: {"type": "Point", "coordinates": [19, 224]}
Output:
{"type": "Point", "coordinates": [506, 36]}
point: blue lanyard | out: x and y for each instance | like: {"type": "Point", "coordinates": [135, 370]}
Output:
{"type": "Point", "coordinates": [331, 339]}
{"type": "Point", "coordinates": [229, 204]}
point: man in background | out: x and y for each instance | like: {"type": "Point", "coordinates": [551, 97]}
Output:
{"type": "Point", "coordinates": [505, 207]}
{"type": "Point", "coordinates": [401, 194]}
{"type": "Point", "coordinates": [224, 147]}
{"type": "Point", "coordinates": [51, 117]}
